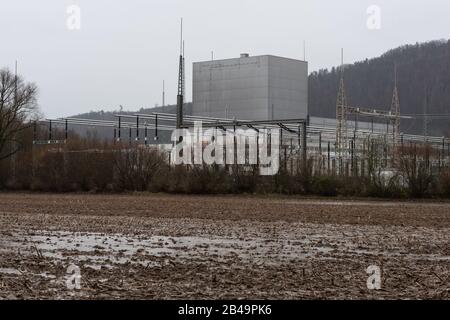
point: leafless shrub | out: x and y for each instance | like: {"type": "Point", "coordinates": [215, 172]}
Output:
{"type": "Point", "coordinates": [135, 168]}
{"type": "Point", "coordinates": [444, 182]}
{"type": "Point", "coordinates": [413, 166]}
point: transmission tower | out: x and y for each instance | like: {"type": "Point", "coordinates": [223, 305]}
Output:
{"type": "Point", "coordinates": [341, 114]}
{"type": "Point", "coordinates": [395, 111]}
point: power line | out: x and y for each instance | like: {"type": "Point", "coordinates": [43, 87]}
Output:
{"type": "Point", "coordinates": [429, 115]}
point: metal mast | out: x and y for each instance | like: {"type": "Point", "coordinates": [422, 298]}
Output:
{"type": "Point", "coordinates": [164, 95]}
{"type": "Point", "coordinates": [341, 106]}
{"type": "Point", "coordinates": [180, 95]}
{"type": "Point", "coordinates": [395, 111]}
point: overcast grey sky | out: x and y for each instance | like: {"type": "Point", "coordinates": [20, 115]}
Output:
{"type": "Point", "coordinates": [125, 49]}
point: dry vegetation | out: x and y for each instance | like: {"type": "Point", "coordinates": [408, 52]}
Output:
{"type": "Point", "coordinates": [89, 164]}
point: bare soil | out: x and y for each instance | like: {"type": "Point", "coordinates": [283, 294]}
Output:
{"type": "Point", "coordinates": [225, 247]}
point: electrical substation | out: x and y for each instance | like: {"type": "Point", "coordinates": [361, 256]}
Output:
{"type": "Point", "coordinates": [269, 92]}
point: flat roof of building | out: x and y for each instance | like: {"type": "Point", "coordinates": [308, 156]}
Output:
{"type": "Point", "coordinates": [249, 57]}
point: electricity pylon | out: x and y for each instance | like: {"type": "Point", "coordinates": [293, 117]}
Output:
{"type": "Point", "coordinates": [341, 114]}
{"type": "Point", "coordinates": [395, 111]}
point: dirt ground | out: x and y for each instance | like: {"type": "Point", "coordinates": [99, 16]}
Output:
{"type": "Point", "coordinates": [224, 247]}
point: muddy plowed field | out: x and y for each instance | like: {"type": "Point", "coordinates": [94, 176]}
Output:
{"type": "Point", "coordinates": [194, 247]}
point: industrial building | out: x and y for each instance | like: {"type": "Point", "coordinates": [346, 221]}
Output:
{"type": "Point", "coordinates": [252, 88]}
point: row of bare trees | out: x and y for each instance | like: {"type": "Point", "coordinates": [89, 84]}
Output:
{"type": "Point", "coordinates": [91, 165]}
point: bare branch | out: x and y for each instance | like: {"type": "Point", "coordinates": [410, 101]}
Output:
{"type": "Point", "coordinates": [18, 104]}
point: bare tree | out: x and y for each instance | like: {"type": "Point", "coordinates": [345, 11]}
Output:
{"type": "Point", "coordinates": [413, 167]}
{"type": "Point", "coordinates": [17, 106]}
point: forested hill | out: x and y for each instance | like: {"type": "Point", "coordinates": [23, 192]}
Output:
{"type": "Point", "coordinates": [423, 71]}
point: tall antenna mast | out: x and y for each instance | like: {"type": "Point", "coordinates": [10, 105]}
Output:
{"type": "Point", "coordinates": [164, 93]}
{"type": "Point", "coordinates": [180, 94]}
{"type": "Point", "coordinates": [184, 74]}
{"type": "Point", "coordinates": [304, 50]}
{"type": "Point", "coordinates": [181, 38]}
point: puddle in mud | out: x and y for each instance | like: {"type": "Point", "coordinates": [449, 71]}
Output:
{"type": "Point", "coordinates": [16, 272]}
{"type": "Point", "coordinates": [364, 203]}
{"type": "Point", "coordinates": [10, 271]}
{"type": "Point", "coordinates": [99, 251]}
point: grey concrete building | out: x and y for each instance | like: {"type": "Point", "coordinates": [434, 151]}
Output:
{"type": "Point", "coordinates": [251, 88]}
